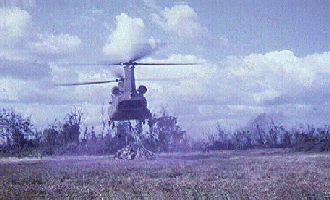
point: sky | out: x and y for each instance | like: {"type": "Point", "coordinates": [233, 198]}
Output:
{"type": "Point", "coordinates": [257, 57]}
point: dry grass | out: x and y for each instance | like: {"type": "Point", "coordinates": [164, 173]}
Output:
{"type": "Point", "coordinates": [253, 174]}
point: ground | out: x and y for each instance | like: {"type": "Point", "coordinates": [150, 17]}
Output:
{"type": "Point", "coordinates": [251, 174]}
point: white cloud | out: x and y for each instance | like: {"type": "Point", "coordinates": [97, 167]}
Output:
{"type": "Point", "coordinates": [17, 37]}
{"type": "Point", "coordinates": [14, 54]}
{"type": "Point", "coordinates": [96, 11]}
{"type": "Point", "coordinates": [231, 94]}
{"type": "Point", "coordinates": [19, 90]}
{"type": "Point", "coordinates": [63, 44]}
{"type": "Point", "coordinates": [14, 24]}
{"type": "Point", "coordinates": [18, 3]}
{"type": "Point", "coordinates": [214, 92]}
{"type": "Point", "coordinates": [181, 20]}
{"type": "Point", "coordinates": [267, 76]}
{"type": "Point", "coordinates": [319, 63]}
{"type": "Point", "coordinates": [184, 84]}
{"type": "Point", "coordinates": [9, 89]}
{"type": "Point", "coordinates": [128, 41]}
{"type": "Point", "coordinates": [266, 95]}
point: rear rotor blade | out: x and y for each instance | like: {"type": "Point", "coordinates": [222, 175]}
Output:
{"type": "Point", "coordinates": [164, 79]}
{"type": "Point", "coordinates": [87, 83]}
{"type": "Point", "coordinates": [126, 63]}
{"type": "Point", "coordinates": [135, 63]}
{"type": "Point", "coordinates": [145, 50]}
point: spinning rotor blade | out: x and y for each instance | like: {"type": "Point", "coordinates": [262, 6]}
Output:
{"type": "Point", "coordinates": [164, 79]}
{"type": "Point", "coordinates": [143, 54]}
{"type": "Point", "coordinates": [88, 64]}
{"type": "Point", "coordinates": [141, 51]}
{"type": "Point", "coordinates": [145, 50]}
{"type": "Point", "coordinates": [87, 83]}
{"type": "Point", "coordinates": [129, 63]}
{"type": "Point", "coordinates": [135, 63]}
{"type": "Point", "coordinates": [167, 63]}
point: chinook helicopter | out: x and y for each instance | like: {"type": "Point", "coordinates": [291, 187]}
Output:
{"type": "Point", "coordinates": [127, 102]}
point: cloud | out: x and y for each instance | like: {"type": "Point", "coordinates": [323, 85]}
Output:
{"type": "Point", "coordinates": [96, 11]}
{"type": "Point", "coordinates": [239, 88]}
{"type": "Point", "coordinates": [128, 41]}
{"type": "Point", "coordinates": [317, 94]}
{"type": "Point", "coordinates": [184, 82]}
{"type": "Point", "coordinates": [20, 69]}
{"type": "Point", "coordinates": [36, 86]}
{"type": "Point", "coordinates": [24, 91]}
{"type": "Point", "coordinates": [309, 79]}
{"type": "Point", "coordinates": [14, 24]}
{"type": "Point", "coordinates": [22, 78]}
{"type": "Point", "coordinates": [15, 54]}
{"type": "Point", "coordinates": [278, 82]}
{"type": "Point", "coordinates": [150, 4]}
{"type": "Point", "coordinates": [18, 3]}
{"type": "Point", "coordinates": [82, 20]}
{"type": "Point", "coordinates": [91, 94]}
{"type": "Point", "coordinates": [62, 44]}
{"type": "Point", "coordinates": [24, 81]}
{"type": "Point", "coordinates": [267, 76]}
{"type": "Point", "coordinates": [19, 40]}
{"type": "Point", "coordinates": [181, 20]}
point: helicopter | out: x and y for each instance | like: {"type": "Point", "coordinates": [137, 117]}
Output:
{"type": "Point", "coordinates": [127, 102]}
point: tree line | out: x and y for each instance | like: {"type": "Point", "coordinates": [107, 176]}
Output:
{"type": "Point", "coordinates": [270, 135]}
{"type": "Point", "coordinates": [19, 137]}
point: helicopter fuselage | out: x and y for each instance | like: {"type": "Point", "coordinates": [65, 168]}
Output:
{"type": "Point", "coordinates": [127, 102]}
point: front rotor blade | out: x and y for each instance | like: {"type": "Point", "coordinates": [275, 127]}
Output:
{"type": "Point", "coordinates": [128, 63]}
{"type": "Point", "coordinates": [89, 64]}
{"type": "Point", "coordinates": [87, 83]}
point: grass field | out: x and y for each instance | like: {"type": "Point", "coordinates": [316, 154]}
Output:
{"type": "Point", "coordinates": [251, 174]}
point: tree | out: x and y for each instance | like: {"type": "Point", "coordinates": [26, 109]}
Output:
{"type": "Point", "coordinates": [71, 126]}
{"type": "Point", "coordinates": [286, 139]}
{"type": "Point", "coordinates": [165, 133]}
{"type": "Point", "coordinates": [52, 137]}
{"type": "Point", "coordinates": [219, 140]}
{"type": "Point", "coordinates": [15, 128]}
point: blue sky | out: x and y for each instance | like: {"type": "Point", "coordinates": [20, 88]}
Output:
{"type": "Point", "coordinates": [260, 57]}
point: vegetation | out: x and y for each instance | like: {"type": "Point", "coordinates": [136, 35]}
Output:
{"type": "Point", "coordinates": [15, 131]}
{"type": "Point", "coordinates": [165, 135]}
{"type": "Point", "coordinates": [261, 135]}
{"type": "Point", "coordinates": [20, 138]}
